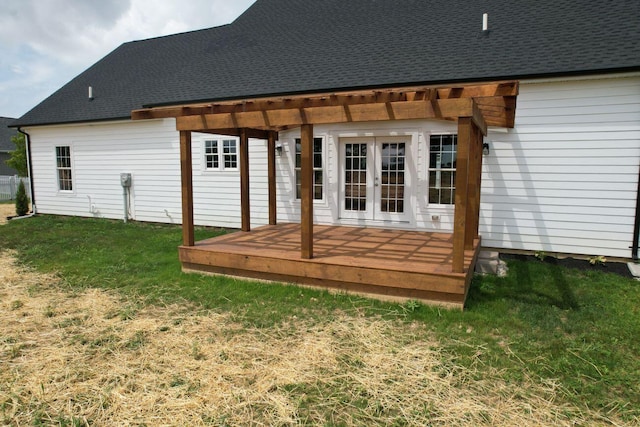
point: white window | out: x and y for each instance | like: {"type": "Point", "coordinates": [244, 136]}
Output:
{"type": "Point", "coordinates": [221, 154]}
{"type": "Point", "coordinates": [63, 168]}
{"type": "Point", "coordinates": [442, 169]}
{"type": "Point", "coordinates": [317, 169]}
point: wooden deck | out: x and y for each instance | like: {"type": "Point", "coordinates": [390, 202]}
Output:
{"type": "Point", "coordinates": [381, 262]}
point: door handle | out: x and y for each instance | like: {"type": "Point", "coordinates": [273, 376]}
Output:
{"type": "Point", "coordinates": [375, 182]}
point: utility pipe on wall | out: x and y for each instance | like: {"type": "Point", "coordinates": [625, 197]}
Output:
{"type": "Point", "coordinates": [126, 204]}
{"type": "Point", "coordinates": [27, 140]}
{"type": "Point", "coordinates": [125, 181]}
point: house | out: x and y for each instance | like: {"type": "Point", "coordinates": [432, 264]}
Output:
{"type": "Point", "coordinates": [6, 146]}
{"type": "Point", "coordinates": [368, 145]}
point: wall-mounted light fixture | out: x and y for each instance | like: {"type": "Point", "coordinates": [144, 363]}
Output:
{"type": "Point", "coordinates": [279, 150]}
{"type": "Point", "coordinates": [485, 148]}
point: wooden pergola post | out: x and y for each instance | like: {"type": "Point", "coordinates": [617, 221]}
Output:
{"type": "Point", "coordinates": [306, 202]}
{"type": "Point", "coordinates": [468, 178]}
{"type": "Point", "coordinates": [271, 172]}
{"type": "Point", "coordinates": [186, 174]}
{"type": "Point", "coordinates": [473, 190]}
{"type": "Point", "coordinates": [462, 198]}
{"type": "Point", "coordinates": [244, 180]}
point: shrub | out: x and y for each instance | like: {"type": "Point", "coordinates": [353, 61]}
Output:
{"type": "Point", "coordinates": [22, 201]}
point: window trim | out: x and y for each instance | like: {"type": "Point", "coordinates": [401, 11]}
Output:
{"type": "Point", "coordinates": [70, 168]}
{"type": "Point", "coordinates": [221, 155]}
{"type": "Point", "coordinates": [441, 169]}
{"type": "Point", "coordinates": [321, 169]}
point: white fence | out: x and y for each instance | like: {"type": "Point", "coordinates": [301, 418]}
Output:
{"type": "Point", "coordinates": [9, 186]}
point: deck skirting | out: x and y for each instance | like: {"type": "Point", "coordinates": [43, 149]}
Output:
{"type": "Point", "coordinates": [384, 263]}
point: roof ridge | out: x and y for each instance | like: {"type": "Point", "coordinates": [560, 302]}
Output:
{"type": "Point", "coordinates": [177, 34]}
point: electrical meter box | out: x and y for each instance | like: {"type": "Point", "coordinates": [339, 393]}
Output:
{"type": "Point", "coordinates": [125, 179]}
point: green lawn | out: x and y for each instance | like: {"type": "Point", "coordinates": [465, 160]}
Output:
{"type": "Point", "coordinates": [580, 329]}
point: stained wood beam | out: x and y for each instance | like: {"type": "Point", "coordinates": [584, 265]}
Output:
{"type": "Point", "coordinates": [306, 202]}
{"type": "Point", "coordinates": [244, 180]}
{"type": "Point", "coordinates": [477, 118]}
{"type": "Point", "coordinates": [186, 175]}
{"type": "Point", "coordinates": [509, 88]}
{"type": "Point", "coordinates": [367, 96]}
{"type": "Point", "coordinates": [473, 188]}
{"type": "Point", "coordinates": [251, 133]}
{"type": "Point", "coordinates": [274, 104]}
{"type": "Point", "coordinates": [478, 181]}
{"type": "Point", "coordinates": [461, 198]}
{"type": "Point", "coordinates": [401, 110]}
{"type": "Point", "coordinates": [496, 101]}
{"type": "Point", "coordinates": [271, 175]}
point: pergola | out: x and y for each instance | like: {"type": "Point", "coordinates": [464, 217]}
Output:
{"type": "Point", "coordinates": [473, 106]}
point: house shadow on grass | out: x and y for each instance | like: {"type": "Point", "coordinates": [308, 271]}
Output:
{"type": "Point", "coordinates": [528, 282]}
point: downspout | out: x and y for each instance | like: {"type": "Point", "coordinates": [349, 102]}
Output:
{"type": "Point", "coordinates": [636, 227]}
{"type": "Point", "coordinates": [28, 150]}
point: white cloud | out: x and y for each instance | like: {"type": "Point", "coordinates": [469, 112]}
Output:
{"type": "Point", "coordinates": [45, 43]}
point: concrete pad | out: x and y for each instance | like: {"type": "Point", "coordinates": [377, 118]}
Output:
{"type": "Point", "coordinates": [634, 269]}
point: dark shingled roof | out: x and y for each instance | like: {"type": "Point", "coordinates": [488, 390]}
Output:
{"type": "Point", "coordinates": [282, 47]}
{"type": "Point", "coordinates": [6, 134]}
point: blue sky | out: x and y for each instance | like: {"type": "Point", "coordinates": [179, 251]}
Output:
{"type": "Point", "coordinates": [46, 43]}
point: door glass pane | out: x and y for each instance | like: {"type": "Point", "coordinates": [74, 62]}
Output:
{"type": "Point", "coordinates": [355, 185]}
{"type": "Point", "coordinates": [392, 177]}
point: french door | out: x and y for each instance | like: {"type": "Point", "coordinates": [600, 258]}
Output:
{"type": "Point", "coordinates": [375, 179]}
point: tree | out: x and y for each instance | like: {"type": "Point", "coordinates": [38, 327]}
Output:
{"type": "Point", "coordinates": [22, 201]}
{"type": "Point", "coordinates": [18, 157]}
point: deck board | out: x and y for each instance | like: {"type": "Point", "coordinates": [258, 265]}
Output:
{"type": "Point", "coordinates": [397, 263]}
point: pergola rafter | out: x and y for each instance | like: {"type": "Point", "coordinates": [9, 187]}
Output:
{"type": "Point", "coordinates": [496, 102]}
{"type": "Point", "coordinates": [474, 107]}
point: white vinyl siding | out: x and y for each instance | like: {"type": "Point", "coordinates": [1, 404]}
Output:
{"type": "Point", "coordinates": [150, 151]}
{"type": "Point", "coordinates": [563, 180]}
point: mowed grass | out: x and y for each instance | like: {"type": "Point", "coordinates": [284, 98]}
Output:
{"type": "Point", "coordinates": [542, 324]}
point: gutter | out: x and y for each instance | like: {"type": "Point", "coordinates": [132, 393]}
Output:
{"type": "Point", "coordinates": [28, 149]}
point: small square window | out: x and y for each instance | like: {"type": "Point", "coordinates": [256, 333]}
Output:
{"type": "Point", "coordinates": [221, 154]}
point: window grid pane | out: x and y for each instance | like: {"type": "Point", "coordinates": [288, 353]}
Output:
{"type": "Point", "coordinates": [211, 156]}
{"type": "Point", "coordinates": [442, 168]}
{"type": "Point", "coordinates": [392, 176]}
{"type": "Point", "coordinates": [63, 166]}
{"type": "Point", "coordinates": [230, 150]}
{"type": "Point", "coordinates": [355, 186]}
{"type": "Point", "coordinates": [318, 188]}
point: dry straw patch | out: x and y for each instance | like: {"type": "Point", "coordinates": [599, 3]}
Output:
{"type": "Point", "coordinates": [6, 209]}
{"type": "Point", "coordinates": [91, 357]}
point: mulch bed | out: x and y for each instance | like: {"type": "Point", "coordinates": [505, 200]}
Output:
{"type": "Point", "coordinates": [619, 268]}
